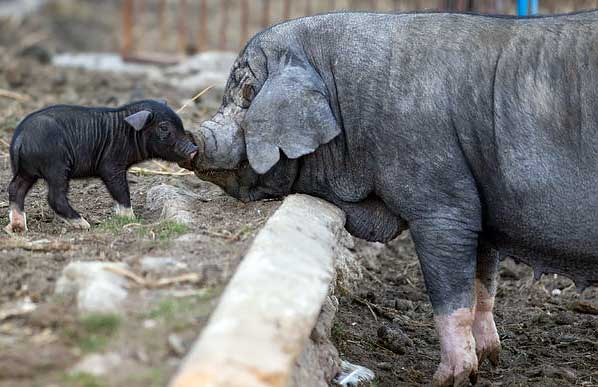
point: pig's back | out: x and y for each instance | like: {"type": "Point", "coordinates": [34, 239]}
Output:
{"type": "Point", "coordinates": [539, 178]}
{"type": "Point", "coordinates": [67, 134]}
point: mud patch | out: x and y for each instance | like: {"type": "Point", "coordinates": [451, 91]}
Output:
{"type": "Point", "coordinates": [386, 325]}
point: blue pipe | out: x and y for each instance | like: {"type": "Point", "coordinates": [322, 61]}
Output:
{"type": "Point", "coordinates": [522, 7]}
{"type": "Point", "coordinates": [534, 7]}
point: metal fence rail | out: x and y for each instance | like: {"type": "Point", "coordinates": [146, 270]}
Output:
{"type": "Point", "coordinates": [203, 25]}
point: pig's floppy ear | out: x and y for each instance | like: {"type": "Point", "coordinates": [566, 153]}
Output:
{"type": "Point", "coordinates": [291, 113]}
{"type": "Point", "coordinates": [139, 120]}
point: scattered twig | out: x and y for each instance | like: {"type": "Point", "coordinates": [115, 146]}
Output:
{"type": "Point", "coordinates": [14, 95]}
{"type": "Point", "coordinates": [189, 277]}
{"type": "Point", "coordinates": [162, 282]}
{"type": "Point", "coordinates": [584, 307]}
{"type": "Point", "coordinates": [385, 312]}
{"type": "Point", "coordinates": [145, 171]}
{"type": "Point", "coordinates": [161, 166]}
{"type": "Point", "coordinates": [194, 98]}
{"type": "Point", "coordinates": [584, 341]}
{"type": "Point", "coordinates": [127, 274]}
{"type": "Point", "coordinates": [374, 277]}
{"type": "Point", "coordinates": [3, 142]}
{"type": "Point", "coordinates": [40, 245]}
{"type": "Point", "coordinates": [373, 314]}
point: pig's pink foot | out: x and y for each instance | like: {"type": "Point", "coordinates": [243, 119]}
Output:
{"type": "Point", "coordinates": [486, 337]}
{"type": "Point", "coordinates": [18, 221]}
{"type": "Point", "coordinates": [458, 361]}
{"type": "Point", "coordinates": [484, 328]}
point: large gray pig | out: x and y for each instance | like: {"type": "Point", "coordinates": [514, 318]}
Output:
{"type": "Point", "coordinates": [479, 134]}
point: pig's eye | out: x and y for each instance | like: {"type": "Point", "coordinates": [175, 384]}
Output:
{"type": "Point", "coordinates": [164, 130]}
{"type": "Point", "coordinates": [247, 92]}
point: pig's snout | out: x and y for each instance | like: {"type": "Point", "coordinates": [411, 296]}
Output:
{"type": "Point", "coordinates": [190, 151]}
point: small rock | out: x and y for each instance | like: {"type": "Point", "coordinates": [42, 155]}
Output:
{"type": "Point", "coordinates": [399, 304]}
{"type": "Point", "coordinates": [556, 292]}
{"type": "Point", "coordinates": [59, 79]}
{"type": "Point", "coordinates": [394, 339]}
{"type": "Point", "coordinates": [386, 366]}
{"type": "Point", "coordinates": [352, 375]}
{"type": "Point", "coordinates": [149, 324]}
{"type": "Point", "coordinates": [563, 318]}
{"type": "Point", "coordinates": [371, 297]}
{"type": "Point", "coordinates": [97, 364]}
{"type": "Point", "coordinates": [176, 345]}
{"type": "Point", "coordinates": [553, 372]}
{"type": "Point", "coordinates": [37, 52]}
{"type": "Point", "coordinates": [98, 290]}
{"type": "Point", "coordinates": [172, 202]}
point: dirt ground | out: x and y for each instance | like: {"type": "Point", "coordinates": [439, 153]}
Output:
{"type": "Point", "coordinates": [159, 325]}
{"type": "Point", "coordinates": [38, 348]}
{"type": "Point", "coordinates": [548, 337]}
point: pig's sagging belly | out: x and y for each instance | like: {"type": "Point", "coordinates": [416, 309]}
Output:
{"type": "Point", "coordinates": [548, 222]}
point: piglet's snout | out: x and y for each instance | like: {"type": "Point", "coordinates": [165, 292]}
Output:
{"type": "Point", "coordinates": [189, 150]}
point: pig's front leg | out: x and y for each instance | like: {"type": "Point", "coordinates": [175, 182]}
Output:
{"type": "Point", "coordinates": [484, 328]}
{"type": "Point", "coordinates": [447, 253]}
{"type": "Point", "coordinates": [116, 182]}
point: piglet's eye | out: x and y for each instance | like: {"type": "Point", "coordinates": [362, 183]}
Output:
{"type": "Point", "coordinates": [164, 128]}
{"type": "Point", "coordinates": [247, 92]}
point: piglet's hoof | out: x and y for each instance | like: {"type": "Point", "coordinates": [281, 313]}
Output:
{"type": "Point", "coordinates": [125, 212]}
{"type": "Point", "coordinates": [18, 222]}
{"type": "Point", "coordinates": [10, 229]}
{"type": "Point", "coordinates": [77, 224]}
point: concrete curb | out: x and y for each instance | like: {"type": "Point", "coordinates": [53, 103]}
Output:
{"type": "Point", "coordinates": [271, 305]}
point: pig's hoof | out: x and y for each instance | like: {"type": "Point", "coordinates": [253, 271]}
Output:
{"type": "Point", "coordinates": [18, 222]}
{"type": "Point", "coordinates": [15, 227]}
{"type": "Point", "coordinates": [486, 338]}
{"type": "Point", "coordinates": [460, 370]}
{"type": "Point", "coordinates": [77, 224]}
{"type": "Point", "coordinates": [125, 212]}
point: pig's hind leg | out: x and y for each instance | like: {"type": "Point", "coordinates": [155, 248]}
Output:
{"type": "Point", "coordinates": [58, 187]}
{"type": "Point", "coordinates": [117, 185]}
{"type": "Point", "coordinates": [484, 328]}
{"type": "Point", "coordinates": [17, 190]}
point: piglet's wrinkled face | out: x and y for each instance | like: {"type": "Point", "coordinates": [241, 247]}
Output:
{"type": "Point", "coordinates": [170, 142]}
{"type": "Point", "coordinates": [163, 133]}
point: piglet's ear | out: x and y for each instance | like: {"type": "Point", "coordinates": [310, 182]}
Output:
{"type": "Point", "coordinates": [290, 113]}
{"type": "Point", "coordinates": [139, 120]}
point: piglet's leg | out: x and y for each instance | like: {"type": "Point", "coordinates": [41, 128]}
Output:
{"type": "Point", "coordinates": [118, 186]}
{"type": "Point", "coordinates": [484, 328]}
{"type": "Point", "coordinates": [57, 198]}
{"type": "Point", "coordinates": [17, 190]}
{"type": "Point", "coordinates": [447, 253]}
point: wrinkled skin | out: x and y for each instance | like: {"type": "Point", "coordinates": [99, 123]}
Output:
{"type": "Point", "coordinates": [478, 133]}
{"type": "Point", "coordinates": [64, 142]}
